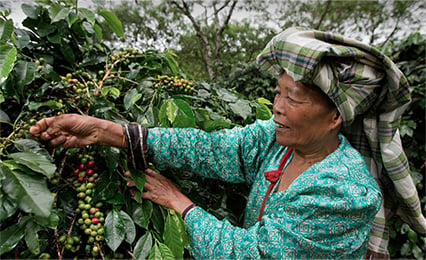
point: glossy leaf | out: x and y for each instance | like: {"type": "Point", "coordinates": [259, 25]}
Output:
{"type": "Point", "coordinates": [8, 206]}
{"type": "Point", "coordinates": [10, 236]}
{"type": "Point", "coordinates": [113, 22]}
{"type": "Point", "coordinates": [58, 12]}
{"type": "Point", "coordinates": [6, 29]}
{"type": "Point", "coordinates": [241, 108]}
{"type": "Point", "coordinates": [25, 72]}
{"type": "Point", "coordinates": [185, 116]}
{"type": "Point", "coordinates": [131, 97]}
{"type": "Point", "coordinates": [115, 231]}
{"type": "Point", "coordinates": [7, 60]}
{"type": "Point", "coordinates": [86, 14]}
{"type": "Point", "coordinates": [50, 103]}
{"type": "Point", "coordinates": [32, 146]}
{"type": "Point", "coordinates": [142, 213]}
{"type": "Point", "coordinates": [35, 162]}
{"type": "Point", "coordinates": [165, 252]}
{"type": "Point", "coordinates": [29, 190]}
{"type": "Point", "coordinates": [172, 236]}
{"type": "Point", "coordinates": [139, 178]}
{"type": "Point", "coordinates": [143, 246]}
{"type": "Point", "coordinates": [106, 187]}
{"type": "Point", "coordinates": [263, 112]}
{"type": "Point", "coordinates": [30, 11]}
{"type": "Point", "coordinates": [32, 238]}
{"type": "Point", "coordinates": [129, 226]}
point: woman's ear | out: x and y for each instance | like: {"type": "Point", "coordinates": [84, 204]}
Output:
{"type": "Point", "coordinates": [337, 119]}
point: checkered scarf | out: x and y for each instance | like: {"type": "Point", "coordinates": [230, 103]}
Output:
{"type": "Point", "coordinates": [370, 93]}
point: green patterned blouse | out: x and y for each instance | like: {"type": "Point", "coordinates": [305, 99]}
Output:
{"type": "Point", "coordinates": [327, 212]}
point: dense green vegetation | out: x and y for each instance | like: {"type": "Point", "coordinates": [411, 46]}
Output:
{"type": "Point", "coordinates": [74, 203]}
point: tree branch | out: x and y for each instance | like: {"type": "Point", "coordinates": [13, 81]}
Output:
{"type": "Point", "coordinates": [323, 14]}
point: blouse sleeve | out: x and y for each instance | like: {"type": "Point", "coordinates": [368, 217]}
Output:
{"type": "Point", "coordinates": [333, 222]}
{"type": "Point", "coordinates": [233, 154]}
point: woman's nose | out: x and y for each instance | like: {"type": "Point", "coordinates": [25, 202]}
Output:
{"type": "Point", "coordinates": [278, 107]}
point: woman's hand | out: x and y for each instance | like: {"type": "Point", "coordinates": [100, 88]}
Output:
{"type": "Point", "coordinates": [73, 130]}
{"type": "Point", "coordinates": [162, 191]}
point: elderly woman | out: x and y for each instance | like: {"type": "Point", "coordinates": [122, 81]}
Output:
{"type": "Point", "coordinates": [313, 195]}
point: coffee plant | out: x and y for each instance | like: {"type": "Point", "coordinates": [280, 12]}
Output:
{"type": "Point", "coordinates": [74, 203]}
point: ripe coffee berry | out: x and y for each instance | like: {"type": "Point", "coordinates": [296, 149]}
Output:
{"type": "Point", "coordinates": [95, 221]}
{"type": "Point", "coordinates": [90, 164]}
{"type": "Point", "coordinates": [80, 179]}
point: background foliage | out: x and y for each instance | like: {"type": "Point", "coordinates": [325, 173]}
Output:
{"type": "Point", "coordinates": [74, 203]}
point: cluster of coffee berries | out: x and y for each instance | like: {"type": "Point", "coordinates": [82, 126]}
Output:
{"type": "Point", "coordinates": [71, 243]}
{"type": "Point", "coordinates": [39, 63]}
{"type": "Point", "coordinates": [175, 84]}
{"type": "Point", "coordinates": [125, 55]}
{"type": "Point", "coordinates": [90, 215]}
{"type": "Point", "coordinates": [22, 128]}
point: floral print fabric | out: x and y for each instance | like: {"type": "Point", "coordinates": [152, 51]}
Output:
{"type": "Point", "coordinates": [327, 212]}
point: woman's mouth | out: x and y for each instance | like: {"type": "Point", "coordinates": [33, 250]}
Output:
{"type": "Point", "coordinates": [280, 125]}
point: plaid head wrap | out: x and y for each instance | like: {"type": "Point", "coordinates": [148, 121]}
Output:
{"type": "Point", "coordinates": [371, 94]}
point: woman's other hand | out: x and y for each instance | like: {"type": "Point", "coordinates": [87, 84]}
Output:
{"type": "Point", "coordinates": [73, 130]}
{"type": "Point", "coordinates": [162, 191]}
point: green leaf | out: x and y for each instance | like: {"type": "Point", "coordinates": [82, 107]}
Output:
{"type": "Point", "coordinates": [7, 60]}
{"type": "Point", "coordinates": [166, 253]}
{"type": "Point", "coordinates": [115, 231]}
{"type": "Point", "coordinates": [178, 113]}
{"type": "Point", "coordinates": [28, 190]}
{"type": "Point", "coordinates": [4, 118]}
{"type": "Point", "coordinates": [51, 221]}
{"type": "Point", "coordinates": [10, 236]}
{"type": "Point", "coordinates": [263, 112]}
{"type": "Point", "coordinates": [88, 27]}
{"type": "Point", "coordinates": [143, 246]}
{"type": "Point", "coordinates": [139, 178]}
{"type": "Point", "coordinates": [35, 162]}
{"type": "Point", "coordinates": [131, 97]}
{"type": "Point", "coordinates": [216, 124]}
{"type": "Point", "coordinates": [111, 155]}
{"type": "Point", "coordinates": [30, 11]}
{"type": "Point", "coordinates": [71, 19]}
{"type": "Point", "coordinates": [8, 207]}
{"type": "Point", "coordinates": [114, 92]}
{"type": "Point", "coordinates": [87, 14]}
{"type": "Point", "coordinates": [25, 72]}
{"type": "Point", "coordinates": [185, 116]}
{"type": "Point", "coordinates": [32, 146]}
{"type": "Point", "coordinates": [31, 237]}
{"type": "Point", "coordinates": [106, 187]}
{"type": "Point", "coordinates": [142, 213]}
{"type": "Point", "coordinates": [33, 106]}
{"type": "Point", "coordinates": [58, 12]}
{"type": "Point", "coordinates": [98, 32]}
{"type": "Point", "coordinates": [172, 237]}
{"type": "Point", "coordinates": [241, 108]}
{"type": "Point", "coordinates": [6, 30]}
{"type": "Point", "coordinates": [129, 225]}
{"type": "Point", "coordinates": [155, 253]}
{"type": "Point", "coordinates": [264, 101]}
{"type": "Point", "coordinates": [113, 22]}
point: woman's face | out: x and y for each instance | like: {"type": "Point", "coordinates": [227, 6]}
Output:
{"type": "Point", "coordinates": [303, 115]}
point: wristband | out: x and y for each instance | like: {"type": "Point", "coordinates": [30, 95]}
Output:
{"type": "Point", "coordinates": [137, 149]}
{"type": "Point", "coordinates": [188, 210]}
